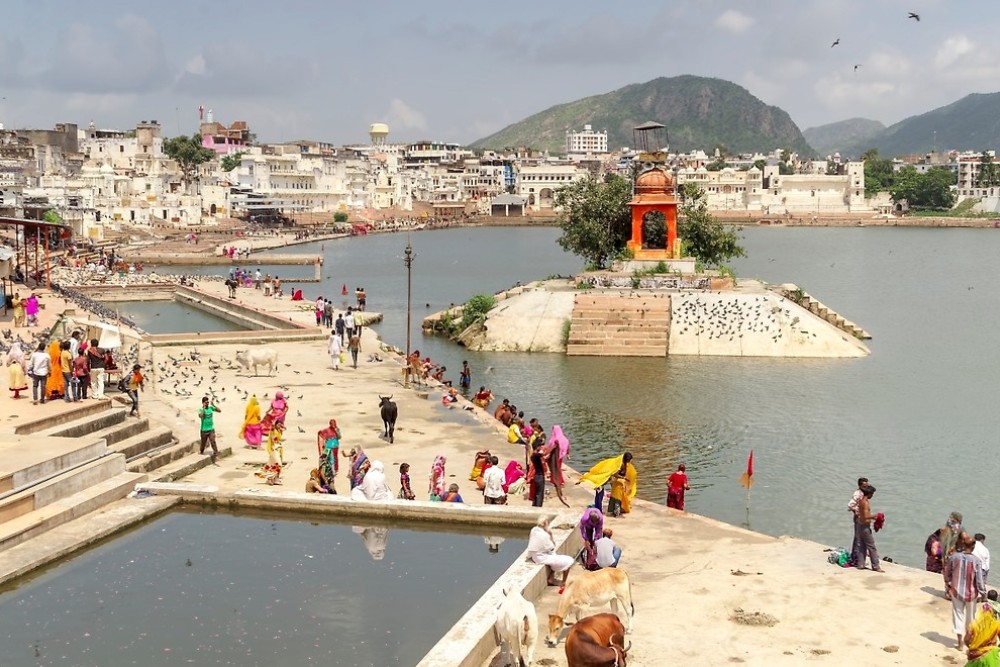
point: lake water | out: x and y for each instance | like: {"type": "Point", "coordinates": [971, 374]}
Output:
{"type": "Point", "coordinates": [209, 588]}
{"type": "Point", "coordinates": [916, 417]}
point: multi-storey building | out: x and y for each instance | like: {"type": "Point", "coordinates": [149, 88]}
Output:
{"type": "Point", "coordinates": [586, 142]}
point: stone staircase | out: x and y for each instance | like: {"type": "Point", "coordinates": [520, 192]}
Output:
{"type": "Point", "coordinates": [619, 324]}
{"type": "Point", "coordinates": [804, 299]}
{"type": "Point", "coordinates": [60, 467]}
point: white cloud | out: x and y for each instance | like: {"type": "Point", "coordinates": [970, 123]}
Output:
{"type": "Point", "coordinates": [952, 50]}
{"type": "Point", "coordinates": [733, 21]}
{"type": "Point", "coordinates": [403, 115]}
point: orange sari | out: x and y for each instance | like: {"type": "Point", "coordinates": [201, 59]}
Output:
{"type": "Point", "coordinates": [55, 385]}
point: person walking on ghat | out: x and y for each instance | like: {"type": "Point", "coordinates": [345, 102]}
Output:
{"type": "Point", "coordinates": [354, 345]}
{"type": "Point", "coordinates": [852, 507]}
{"type": "Point", "coordinates": [207, 416]}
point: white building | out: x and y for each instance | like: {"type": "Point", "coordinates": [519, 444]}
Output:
{"type": "Point", "coordinates": [587, 142]}
{"type": "Point", "coordinates": [539, 183]}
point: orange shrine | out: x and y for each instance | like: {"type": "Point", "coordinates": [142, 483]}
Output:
{"type": "Point", "coordinates": [654, 192]}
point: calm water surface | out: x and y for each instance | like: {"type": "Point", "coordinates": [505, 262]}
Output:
{"type": "Point", "coordinates": [223, 589]}
{"type": "Point", "coordinates": [917, 416]}
{"type": "Point", "coordinates": [166, 317]}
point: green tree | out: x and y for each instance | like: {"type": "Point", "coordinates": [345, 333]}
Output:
{"type": "Point", "coordinates": [904, 185]}
{"type": "Point", "coordinates": [935, 188]}
{"type": "Point", "coordinates": [706, 239]}
{"type": "Point", "coordinates": [654, 230]}
{"type": "Point", "coordinates": [988, 175]}
{"type": "Point", "coordinates": [189, 155]}
{"type": "Point", "coordinates": [785, 169]}
{"type": "Point", "coordinates": [879, 175]}
{"type": "Point", "coordinates": [52, 216]}
{"type": "Point", "coordinates": [340, 216]}
{"type": "Point", "coordinates": [595, 218]}
{"type": "Point", "coordinates": [760, 164]}
{"type": "Point", "coordinates": [231, 161]}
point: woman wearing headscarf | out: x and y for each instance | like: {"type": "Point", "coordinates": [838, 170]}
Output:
{"type": "Point", "coordinates": [591, 529]}
{"type": "Point", "coordinates": [557, 450]}
{"type": "Point", "coordinates": [31, 310]}
{"type": "Point", "coordinates": [950, 534]}
{"type": "Point", "coordinates": [327, 475]}
{"type": "Point", "coordinates": [542, 550]}
{"type": "Point", "coordinates": [437, 478]}
{"type": "Point", "coordinates": [373, 486]}
{"type": "Point", "coordinates": [620, 470]}
{"type": "Point", "coordinates": [359, 466]}
{"type": "Point", "coordinates": [271, 472]}
{"type": "Point", "coordinates": [328, 442]}
{"type": "Point", "coordinates": [55, 385]}
{"type": "Point", "coordinates": [512, 473]}
{"type": "Point", "coordinates": [17, 379]}
{"type": "Point", "coordinates": [279, 407]}
{"type": "Point", "coordinates": [251, 431]}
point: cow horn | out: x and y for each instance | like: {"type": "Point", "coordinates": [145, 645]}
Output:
{"type": "Point", "coordinates": [390, 397]}
{"type": "Point", "coordinates": [611, 640]}
{"type": "Point", "coordinates": [627, 648]}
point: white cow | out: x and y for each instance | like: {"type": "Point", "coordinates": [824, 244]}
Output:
{"type": "Point", "coordinates": [261, 356]}
{"type": "Point", "coordinates": [516, 630]}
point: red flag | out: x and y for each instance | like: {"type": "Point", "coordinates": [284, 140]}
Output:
{"type": "Point", "coordinates": [746, 479]}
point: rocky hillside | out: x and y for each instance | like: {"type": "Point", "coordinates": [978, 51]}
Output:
{"type": "Point", "coordinates": [699, 113]}
{"type": "Point", "coordinates": [839, 136]}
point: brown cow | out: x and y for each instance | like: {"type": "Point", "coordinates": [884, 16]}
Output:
{"type": "Point", "coordinates": [597, 641]}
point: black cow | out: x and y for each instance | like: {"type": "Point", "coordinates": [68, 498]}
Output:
{"type": "Point", "coordinates": [389, 412]}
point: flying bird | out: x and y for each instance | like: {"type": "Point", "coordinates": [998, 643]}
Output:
{"type": "Point", "coordinates": [835, 42]}
{"type": "Point", "coordinates": [856, 67]}
{"type": "Point", "coordinates": [914, 16]}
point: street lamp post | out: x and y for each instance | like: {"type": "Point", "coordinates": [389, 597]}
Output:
{"type": "Point", "coordinates": [408, 263]}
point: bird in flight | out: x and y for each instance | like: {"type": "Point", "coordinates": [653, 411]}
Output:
{"type": "Point", "coordinates": [914, 16]}
{"type": "Point", "coordinates": [835, 42]}
{"type": "Point", "coordinates": [856, 67]}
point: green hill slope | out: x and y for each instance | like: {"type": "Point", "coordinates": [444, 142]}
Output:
{"type": "Point", "coordinates": [699, 113]}
{"type": "Point", "coordinates": [971, 123]}
{"type": "Point", "coordinates": [834, 137]}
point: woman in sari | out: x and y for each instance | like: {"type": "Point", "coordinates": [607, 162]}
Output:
{"type": "Point", "coordinates": [591, 529]}
{"type": "Point", "coordinates": [620, 470]}
{"type": "Point", "coordinates": [279, 408]}
{"type": "Point", "coordinates": [328, 442]}
{"type": "Point", "coordinates": [31, 310]}
{"type": "Point", "coordinates": [55, 385]}
{"type": "Point", "coordinates": [557, 452]}
{"type": "Point", "coordinates": [271, 472]}
{"type": "Point", "coordinates": [950, 534]}
{"type": "Point", "coordinates": [373, 486]}
{"type": "Point", "coordinates": [359, 466]}
{"type": "Point", "coordinates": [251, 431]}
{"type": "Point", "coordinates": [17, 380]}
{"type": "Point", "coordinates": [512, 474]}
{"type": "Point", "coordinates": [481, 462]}
{"type": "Point", "coordinates": [437, 477]}
{"type": "Point", "coordinates": [932, 549]}
{"type": "Point", "coordinates": [981, 636]}
{"type": "Point", "coordinates": [327, 474]}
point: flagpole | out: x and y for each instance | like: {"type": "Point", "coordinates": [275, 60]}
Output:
{"type": "Point", "coordinates": [746, 479]}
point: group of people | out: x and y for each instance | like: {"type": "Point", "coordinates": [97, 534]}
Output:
{"type": "Point", "coordinates": [599, 549]}
{"type": "Point", "coordinates": [257, 431]}
{"type": "Point", "coordinates": [25, 310]}
{"type": "Point", "coordinates": [66, 369]}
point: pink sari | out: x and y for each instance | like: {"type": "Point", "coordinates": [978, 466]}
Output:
{"type": "Point", "coordinates": [513, 472]}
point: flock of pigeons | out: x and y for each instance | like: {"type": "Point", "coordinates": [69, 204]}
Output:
{"type": "Point", "coordinates": [910, 15]}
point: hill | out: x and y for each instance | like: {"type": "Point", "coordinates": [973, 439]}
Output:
{"type": "Point", "coordinates": [699, 112]}
{"type": "Point", "coordinates": [971, 123]}
{"type": "Point", "coordinates": [835, 137]}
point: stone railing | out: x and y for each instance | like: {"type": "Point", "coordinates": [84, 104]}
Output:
{"type": "Point", "coordinates": [626, 281]}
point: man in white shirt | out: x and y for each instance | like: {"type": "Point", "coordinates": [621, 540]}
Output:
{"type": "Point", "coordinates": [39, 367]}
{"type": "Point", "coordinates": [608, 553]}
{"type": "Point", "coordinates": [74, 345]}
{"type": "Point", "coordinates": [981, 552]}
{"type": "Point", "coordinates": [493, 479]}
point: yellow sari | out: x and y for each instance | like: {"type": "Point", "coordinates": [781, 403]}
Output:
{"type": "Point", "coordinates": [250, 431]}
{"type": "Point", "coordinates": [55, 385]}
{"type": "Point", "coordinates": [981, 638]}
{"type": "Point", "coordinates": [622, 489]}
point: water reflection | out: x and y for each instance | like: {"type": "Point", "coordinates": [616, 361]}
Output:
{"type": "Point", "coordinates": [375, 538]}
{"type": "Point", "coordinates": [493, 544]}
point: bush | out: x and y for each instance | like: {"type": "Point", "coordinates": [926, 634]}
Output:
{"type": "Point", "coordinates": [340, 216]}
{"type": "Point", "coordinates": [476, 308]}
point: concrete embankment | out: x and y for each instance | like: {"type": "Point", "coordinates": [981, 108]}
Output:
{"type": "Point", "coordinates": [683, 319]}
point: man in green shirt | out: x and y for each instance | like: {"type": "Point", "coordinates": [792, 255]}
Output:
{"type": "Point", "coordinates": [207, 417]}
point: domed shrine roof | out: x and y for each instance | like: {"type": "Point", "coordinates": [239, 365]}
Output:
{"type": "Point", "coordinates": [654, 181]}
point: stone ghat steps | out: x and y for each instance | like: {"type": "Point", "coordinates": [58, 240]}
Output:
{"type": "Point", "coordinates": [815, 307]}
{"type": "Point", "coordinates": [98, 484]}
{"type": "Point", "coordinates": [619, 324]}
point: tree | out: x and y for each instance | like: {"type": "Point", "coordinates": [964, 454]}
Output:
{"type": "Point", "coordinates": [707, 239]}
{"type": "Point", "coordinates": [189, 154]}
{"type": "Point", "coordinates": [935, 188]}
{"type": "Point", "coordinates": [879, 175]}
{"type": "Point", "coordinates": [340, 216]}
{"type": "Point", "coordinates": [932, 190]}
{"type": "Point", "coordinates": [988, 175]}
{"type": "Point", "coordinates": [231, 161]}
{"type": "Point", "coordinates": [52, 216]}
{"type": "Point", "coordinates": [595, 218]}
{"type": "Point", "coordinates": [785, 169]}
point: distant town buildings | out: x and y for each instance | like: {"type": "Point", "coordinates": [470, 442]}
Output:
{"type": "Point", "coordinates": [110, 180]}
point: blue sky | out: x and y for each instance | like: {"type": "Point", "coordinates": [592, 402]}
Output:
{"type": "Point", "coordinates": [456, 71]}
